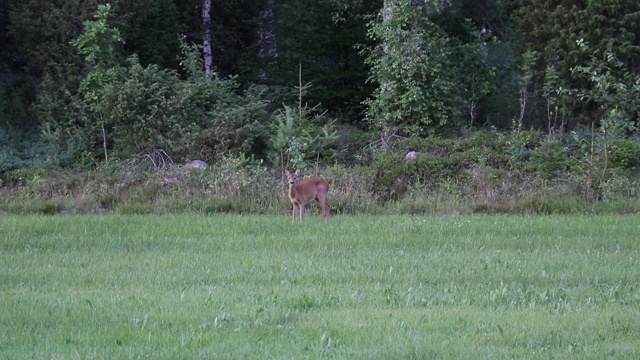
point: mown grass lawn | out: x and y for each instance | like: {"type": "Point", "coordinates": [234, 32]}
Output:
{"type": "Point", "coordinates": [375, 287]}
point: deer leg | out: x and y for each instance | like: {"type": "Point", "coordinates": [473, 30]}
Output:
{"type": "Point", "coordinates": [326, 210]}
{"type": "Point", "coordinates": [293, 214]}
{"type": "Point", "coordinates": [324, 207]}
{"type": "Point", "coordinates": [301, 212]}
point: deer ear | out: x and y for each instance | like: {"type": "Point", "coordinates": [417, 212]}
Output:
{"type": "Point", "coordinates": [287, 172]}
{"type": "Point", "coordinates": [297, 172]}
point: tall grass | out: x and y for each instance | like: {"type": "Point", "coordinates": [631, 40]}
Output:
{"type": "Point", "coordinates": [238, 187]}
{"type": "Point", "coordinates": [223, 286]}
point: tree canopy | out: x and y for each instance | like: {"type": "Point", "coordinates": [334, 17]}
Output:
{"type": "Point", "coordinates": [413, 67]}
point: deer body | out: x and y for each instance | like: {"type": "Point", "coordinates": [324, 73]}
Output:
{"type": "Point", "coordinates": [300, 192]}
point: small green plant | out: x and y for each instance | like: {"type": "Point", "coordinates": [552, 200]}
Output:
{"type": "Point", "coordinates": [300, 135]}
{"type": "Point", "coordinates": [108, 201]}
{"type": "Point", "coordinates": [98, 46]}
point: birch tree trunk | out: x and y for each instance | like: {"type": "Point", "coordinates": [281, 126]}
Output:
{"type": "Point", "coordinates": [207, 51]}
{"type": "Point", "coordinates": [268, 46]}
{"type": "Point", "coordinates": [389, 7]}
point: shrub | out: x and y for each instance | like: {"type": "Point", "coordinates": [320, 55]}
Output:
{"type": "Point", "coordinates": [350, 189]}
{"type": "Point", "coordinates": [550, 158]}
{"type": "Point", "coordinates": [624, 153]}
{"type": "Point", "coordinates": [389, 181]}
{"type": "Point", "coordinates": [448, 176]}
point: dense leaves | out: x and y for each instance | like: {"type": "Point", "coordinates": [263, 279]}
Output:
{"type": "Point", "coordinates": [89, 87]}
{"type": "Point", "coordinates": [554, 31]}
{"type": "Point", "coordinates": [411, 64]}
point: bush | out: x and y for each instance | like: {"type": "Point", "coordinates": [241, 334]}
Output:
{"type": "Point", "coordinates": [550, 159]}
{"type": "Point", "coordinates": [448, 176]}
{"type": "Point", "coordinates": [624, 153]}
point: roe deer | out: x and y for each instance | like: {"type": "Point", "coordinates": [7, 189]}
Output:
{"type": "Point", "coordinates": [309, 189]}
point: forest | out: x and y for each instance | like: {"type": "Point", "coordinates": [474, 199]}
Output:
{"type": "Point", "coordinates": [420, 106]}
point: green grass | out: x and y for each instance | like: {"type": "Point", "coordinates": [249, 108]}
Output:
{"type": "Point", "coordinates": [374, 287]}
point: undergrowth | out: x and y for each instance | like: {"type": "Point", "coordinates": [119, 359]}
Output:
{"type": "Point", "coordinates": [486, 172]}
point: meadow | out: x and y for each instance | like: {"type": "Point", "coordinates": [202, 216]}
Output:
{"type": "Point", "coordinates": [373, 287]}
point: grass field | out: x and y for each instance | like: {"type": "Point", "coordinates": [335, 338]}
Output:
{"type": "Point", "coordinates": [229, 287]}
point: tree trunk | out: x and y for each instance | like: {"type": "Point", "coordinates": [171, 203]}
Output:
{"type": "Point", "coordinates": [268, 46]}
{"type": "Point", "coordinates": [207, 51]}
{"type": "Point", "coordinates": [104, 145]}
{"type": "Point", "coordinates": [389, 7]}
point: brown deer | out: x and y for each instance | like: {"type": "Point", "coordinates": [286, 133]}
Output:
{"type": "Point", "coordinates": [309, 189]}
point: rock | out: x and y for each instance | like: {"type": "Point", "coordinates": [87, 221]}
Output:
{"type": "Point", "coordinates": [411, 155]}
{"type": "Point", "coordinates": [196, 164]}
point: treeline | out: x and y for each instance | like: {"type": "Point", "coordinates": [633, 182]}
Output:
{"type": "Point", "coordinates": [85, 83]}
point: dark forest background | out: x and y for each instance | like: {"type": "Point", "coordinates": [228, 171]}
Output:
{"type": "Point", "coordinates": [538, 92]}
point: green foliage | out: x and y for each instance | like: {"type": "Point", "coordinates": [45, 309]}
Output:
{"type": "Point", "coordinates": [16, 95]}
{"type": "Point", "coordinates": [97, 42]}
{"type": "Point", "coordinates": [23, 151]}
{"type": "Point", "coordinates": [437, 161]}
{"type": "Point", "coordinates": [46, 30]}
{"type": "Point", "coordinates": [142, 109]}
{"type": "Point", "coordinates": [299, 136]}
{"type": "Point", "coordinates": [215, 119]}
{"type": "Point", "coordinates": [389, 183]}
{"type": "Point", "coordinates": [332, 62]}
{"type": "Point", "coordinates": [439, 67]}
{"type": "Point", "coordinates": [237, 128]}
{"type": "Point", "coordinates": [491, 172]}
{"type": "Point", "coordinates": [98, 46]}
{"type": "Point", "coordinates": [615, 90]}
{"type": "Point", "coordinates": [411, 66]}
{"type": "Point", "coordinates": [624, 153]}
{"type": "Point", "coordinates": [152, 32]}
{"type": "Point", "coordinates": [9, 158]}
{"type": "Point", "coordinates": [241, 179]}
{"type": "Point", "coordinates": [235, 24]}
{"type": "Point", "coordinates": [506, 172]}
{"type": "Point", "coordinates": [550, 159]}
{"type": "Point", "coordinates": [42, 32]}
{"type": "Point", "coordinates": [599, 157]}
{"type": "Point", "coordinates": [476, 75]}
{"type": "Point", "coordinates": [457, 63]}
{"type": "Point", "coordinates": [556, 32]}
{"type": "Point", "coordinates": [299, 139]}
